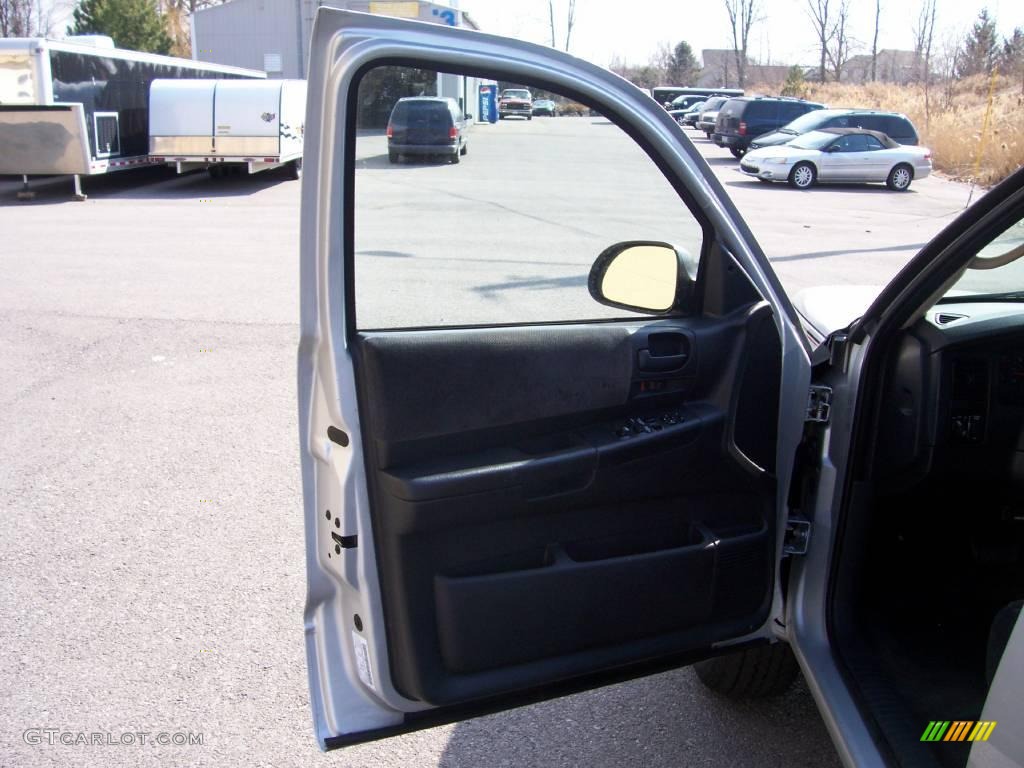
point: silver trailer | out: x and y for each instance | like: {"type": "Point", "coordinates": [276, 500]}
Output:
{"type": "Point", "coordinates": [218, 124]}
{"type": "Point", "coordinates": [80, 106]}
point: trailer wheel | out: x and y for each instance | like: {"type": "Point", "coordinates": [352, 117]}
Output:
{"type": "Point", "coordinates": [215, 171]}
{"type": "Point", "coordinates": [392, 157]}
{"type": "Point", "coordinates": [295, 169]}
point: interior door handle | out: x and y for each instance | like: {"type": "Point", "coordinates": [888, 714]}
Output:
{"type": "Point", "coordinates": [658, 363]}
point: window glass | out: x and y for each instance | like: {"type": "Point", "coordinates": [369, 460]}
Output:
{"type": "Point", "coordinates": [856, 142]}
{"type": "Point", "coordinates": [813, 140]}
{"type": "Point", "coordinates": [871, 143]}
{"type": "Point", "coordinates": [758, 110]}
{"type": "Point", "coordinates": [997, 270]}
{"type": "Point", "coordinates": [808, 122]}
{"type": "Point", "coordinates": [505, 233]}
{"type": "Point", "coordinates": [789, 111]}
{"type": "Point", "coordinates": [897, 127]}
{"type": "Point", "coordinates": [872, 123]}
{"type": "Point", "coordinates": [720, 103]}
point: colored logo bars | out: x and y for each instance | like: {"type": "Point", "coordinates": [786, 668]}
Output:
{"type": "Point", "coordinates": [958, 730]}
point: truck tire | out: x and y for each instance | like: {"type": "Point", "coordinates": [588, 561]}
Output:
{"type": "Point", "coordinates": [295, 169]}
{"type": "Point", "coordinates": [753, 673]}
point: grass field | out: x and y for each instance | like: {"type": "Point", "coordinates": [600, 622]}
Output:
{"type": "Point", "coordinates": [951, 121]}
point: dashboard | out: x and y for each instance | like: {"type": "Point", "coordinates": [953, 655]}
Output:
{"type": "Point", "coordinates": [955, 398]}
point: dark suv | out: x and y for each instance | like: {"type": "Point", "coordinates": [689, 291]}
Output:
{"type": "Point", "coordinates": [741, 119]}
{"type": "Point", "coordinates": [426, 126]}
{"type": "Point", "coordinates": [896, 126]}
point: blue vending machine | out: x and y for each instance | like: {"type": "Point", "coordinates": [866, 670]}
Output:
{"type": "Point", "coordinates": [488, 103]}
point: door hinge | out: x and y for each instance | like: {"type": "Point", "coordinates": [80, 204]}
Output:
{"type": "Point", "coordinates": [819, 404]}
{"type": "Point", "coordinates": [798, 534]}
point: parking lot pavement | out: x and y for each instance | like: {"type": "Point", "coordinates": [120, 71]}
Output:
{"type": "Point", "coordinates": [152, 544]}
{"type": "Point", "coordinates": [854, 234]}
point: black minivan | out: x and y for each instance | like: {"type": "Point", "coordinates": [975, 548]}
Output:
{"type": "Point", "coordinates": [426, 126]}
{"type": "Point", "coordinates": [741, 119]}
{"type": "Point", "coordinates": [895, 125]}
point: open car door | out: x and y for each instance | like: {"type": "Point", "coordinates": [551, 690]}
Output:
{"type": "Point", "coordinates": [513, 490]}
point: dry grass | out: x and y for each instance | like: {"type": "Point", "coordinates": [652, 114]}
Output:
{"type": "Point", "coordinates": [951, 124]}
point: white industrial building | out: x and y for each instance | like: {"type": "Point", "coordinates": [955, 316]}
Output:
{"type": "Point", "coordinates": [274, 35]}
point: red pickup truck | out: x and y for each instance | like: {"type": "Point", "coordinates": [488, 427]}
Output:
{"type": "Point", "coordinates": [515, 101]}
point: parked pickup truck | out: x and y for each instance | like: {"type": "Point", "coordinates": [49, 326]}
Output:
{"type": "Point", "coordinates": [515, 101]}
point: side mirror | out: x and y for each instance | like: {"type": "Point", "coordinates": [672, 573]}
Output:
{"type": "Point", "coordinates": [642, 276]}
{"type": "Point", "coordinates": [833, 148]}
{"type": "Point", "coordinates": [467, 116]}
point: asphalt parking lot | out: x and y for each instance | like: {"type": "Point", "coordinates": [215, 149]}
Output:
{"type": "Point", "coordinates": [153, 545]}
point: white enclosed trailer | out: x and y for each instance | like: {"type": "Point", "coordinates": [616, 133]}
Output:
{"type": "Point", "coordinates": [79, 106]}
{"type": "Point", "coordinates": [255, 124]}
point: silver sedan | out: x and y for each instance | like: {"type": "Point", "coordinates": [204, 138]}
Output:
{"type": "Point", "coordinates": [840, 155]}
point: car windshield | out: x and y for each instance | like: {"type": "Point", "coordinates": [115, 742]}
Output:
{"type": "Point", "coordinates": [813, 140]}
{"type": "Point", "coordinates": [805, 123]}
{"type": "Point", "coordinates": [713, 104]}
{"type": "Point", "coordinates": [516, 94]}
{"type": "Point", "coordinates": [996, 273]}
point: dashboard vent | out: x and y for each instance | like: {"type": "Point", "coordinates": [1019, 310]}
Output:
{"type": "Point", "coordinates": [945, 318]}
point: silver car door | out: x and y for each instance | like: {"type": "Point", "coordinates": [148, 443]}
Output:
{"type": "Point", "coordinates": [831, 163]}
{"type": "Point", "coordinates": [477, 495]}
{"type": "Point", "coordinates": [877, 159]}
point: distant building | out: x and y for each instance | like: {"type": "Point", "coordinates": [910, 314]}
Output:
{"type": "Point", "coordinates": [720, 70]}
{"type": "Point", "coordinates": [892, 66]}
{"type": "Point", "coordinates": [274, 35]}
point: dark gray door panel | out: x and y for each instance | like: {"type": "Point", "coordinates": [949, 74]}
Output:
{"type": "Point", "coordinates": [447, 382]}
{"type": "Point", "coordinates": [548, 501]}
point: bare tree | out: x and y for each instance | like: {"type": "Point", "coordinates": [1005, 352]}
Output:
{"type": "Point", "coordinates": [661, 60]}
{"type": "Point", "coordinates": [742, 15]}
{"type": "Point", "coordinates": [569, 21]}
{"type": "Point", "coordinates": [839, 50]}
{"type": "Point", "coordinates": [23, 18]}
{"type": "Point", "coordinates": [824, 27]}
{"type": "Point", "coordinates": [929, 6]}
{"type": "Point", "coordinates": [923, 33]}
{"type": "Point", "coordinates": [948, 62]}
{"type": "Point", "coordinates": [874, 42]}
